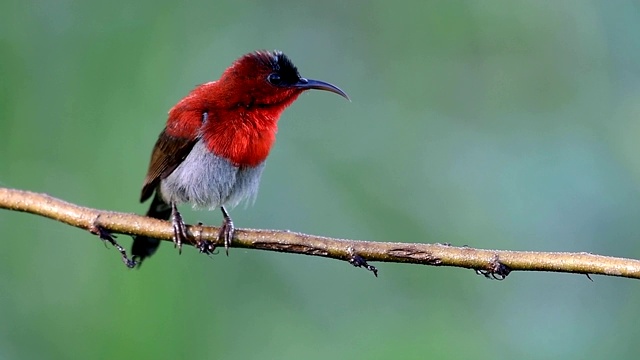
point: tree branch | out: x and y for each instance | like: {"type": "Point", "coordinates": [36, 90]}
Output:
{"type": "Point", "coordinates": [491, 263]}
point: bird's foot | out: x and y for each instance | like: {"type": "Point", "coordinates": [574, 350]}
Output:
{"type": "Point", "coordinates": [358, 261]}
{"type": "Point", "coordinates": [106, 236]}
{"type": "Point", "coordinates": [179, 229]}
{"type": "Point", "coordinates": [226, 230]}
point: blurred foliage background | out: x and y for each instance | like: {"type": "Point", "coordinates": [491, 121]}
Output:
{"type": "Point", "coordinates": [494, 124]}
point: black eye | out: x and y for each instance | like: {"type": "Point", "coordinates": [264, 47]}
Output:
{"type": "Point", "coordinates": [274, 79]}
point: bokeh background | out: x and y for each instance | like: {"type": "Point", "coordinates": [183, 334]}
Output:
{"type": "Point", "coordinates": [494, 124]}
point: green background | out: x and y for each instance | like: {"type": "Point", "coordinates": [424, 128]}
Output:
{"type": "Point", "coordinates": [494, 124]}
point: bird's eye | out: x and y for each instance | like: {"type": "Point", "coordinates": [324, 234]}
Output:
{"type": "Point", "coordinates": [274, 79]}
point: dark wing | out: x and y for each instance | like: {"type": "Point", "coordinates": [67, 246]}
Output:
{"type": "Point", "coordinates": [169, 152]}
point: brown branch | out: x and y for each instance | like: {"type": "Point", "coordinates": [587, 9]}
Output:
{"type": "Point", "coordinates": [491, 263]}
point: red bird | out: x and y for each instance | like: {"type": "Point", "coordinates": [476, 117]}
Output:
{"type": "Point", "coordinates": [214, 146]}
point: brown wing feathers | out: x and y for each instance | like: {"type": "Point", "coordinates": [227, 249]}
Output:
{"type": "Point", "coordinates": [168, 153]}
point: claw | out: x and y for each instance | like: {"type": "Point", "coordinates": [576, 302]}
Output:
{"type": "Point", "coordinates": [226, 230]}
{"type": "Point", "coordinates": [179, 228]}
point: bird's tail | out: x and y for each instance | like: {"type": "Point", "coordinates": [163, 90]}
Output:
{"type": "Point", "coordinates": [143, 246]}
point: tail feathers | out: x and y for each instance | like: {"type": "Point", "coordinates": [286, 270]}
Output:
{"type": "Point", "coordinates": [143, 246]}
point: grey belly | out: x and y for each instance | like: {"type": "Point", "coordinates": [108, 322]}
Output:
{"type": "Point", "coordinates": [206, 180]}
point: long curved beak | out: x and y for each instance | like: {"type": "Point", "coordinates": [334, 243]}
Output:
{"type": "Point", "coordinates": [307, 84]}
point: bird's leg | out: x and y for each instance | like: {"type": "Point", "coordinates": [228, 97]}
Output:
{"type": "Point", "coordinates": [226, 230]}
{"type": "Point", "coordinates": [179, 228]}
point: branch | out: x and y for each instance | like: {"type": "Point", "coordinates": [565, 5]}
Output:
{"type": "Point", "coordinates": [491, 263]}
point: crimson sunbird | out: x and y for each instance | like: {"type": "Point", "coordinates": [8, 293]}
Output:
{"type": "Point", "coordinates": [213, 148]}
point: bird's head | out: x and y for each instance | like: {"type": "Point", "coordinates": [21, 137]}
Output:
{"type": "Point", "coordinates": [267, 79]}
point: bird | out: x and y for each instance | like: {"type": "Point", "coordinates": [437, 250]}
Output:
{"type": "Point", "coordinates": [212, 151]}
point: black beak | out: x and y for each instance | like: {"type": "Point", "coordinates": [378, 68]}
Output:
{"type": "Point", "coordinates": [307, 84]}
